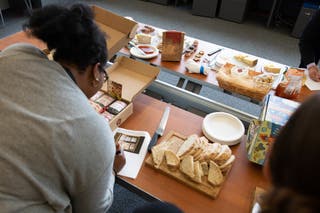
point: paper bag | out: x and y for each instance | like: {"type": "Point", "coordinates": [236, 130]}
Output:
{"type": "Point", "coordinates": [172, 45]}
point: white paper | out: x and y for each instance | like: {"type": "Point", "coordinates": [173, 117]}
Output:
{"type": "Point", "coordinates": [311, 84]}
{"type": "Point", "coordinates": [134, 160]}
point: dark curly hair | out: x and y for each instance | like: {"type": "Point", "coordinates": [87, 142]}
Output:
{"type": "Point", "coordinates": [71, 32]}
{"type": "Point", "coordinates": [294, 162]}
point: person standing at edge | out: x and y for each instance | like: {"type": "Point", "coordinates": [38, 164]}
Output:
{"type": "Point", "coordinates": [309, 46]}
{"type": "Point", "coordinates": [56, 153]}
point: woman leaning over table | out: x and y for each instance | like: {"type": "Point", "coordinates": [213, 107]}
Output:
{"type": "Point", "coordinates": [293, 165]}
{"type": "Point", "coordinates": [56, 153]}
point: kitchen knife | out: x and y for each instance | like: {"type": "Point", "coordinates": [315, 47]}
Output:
{"type": "Point", "coordinates": [214, 52]}
{"type": "Point", "coordinates": [160, 129]}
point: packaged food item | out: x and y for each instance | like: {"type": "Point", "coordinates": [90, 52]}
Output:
{"type": "Point", "coordinates": [105, 100]}
{"type": "Point", "coordinates": [296, 72]}
{"type": "Point", "coordinates": [116, 107]}
{"type": "Point", "coordinates": [262, 132]}
{"type": "Point", "coordinates": [97, 107]}
{"type": "Point", "coordinates": [97, 95]}
{"type": "Point", "coordinates": [107, 115]}
{"type": "Point", "coordinates": [147, 29]}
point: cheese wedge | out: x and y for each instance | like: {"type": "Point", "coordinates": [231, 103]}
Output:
{"type": "Point", "coordinates": [249, 60]}
{"type": "Point", "coordinates": [271, 68]}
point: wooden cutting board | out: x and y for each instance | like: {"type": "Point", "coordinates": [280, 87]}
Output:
{"type": "Point", "coordinates": [205, 187]}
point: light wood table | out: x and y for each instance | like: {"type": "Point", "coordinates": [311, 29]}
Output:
{"type": "Point", "coordinates": [237, 192]}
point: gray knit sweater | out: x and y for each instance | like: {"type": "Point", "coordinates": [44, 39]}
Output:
{"type": "Point", "coordinates": [56, 152]}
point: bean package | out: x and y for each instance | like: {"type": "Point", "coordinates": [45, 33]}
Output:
{"type": "Point", "coordinates": [106, 105]}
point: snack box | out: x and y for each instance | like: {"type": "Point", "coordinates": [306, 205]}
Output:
{"type": "Point", "coordinates": [119, 30]}
{"type": "Point", "coordinates": [262, 132]}
{"type": "Point", "coordinates": [134, 76]}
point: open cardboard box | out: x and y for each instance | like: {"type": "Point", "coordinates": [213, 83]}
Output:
{"type": "Point", "coordinates": [119, 30]}
{"type": "Point", "coordinates": [134, 76]}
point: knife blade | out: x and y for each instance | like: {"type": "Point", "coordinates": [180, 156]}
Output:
{"type": "Point", "coordinates": [160, 129]}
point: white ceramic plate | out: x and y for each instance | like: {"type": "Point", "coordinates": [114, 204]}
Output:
{"type": "Point", "coordinates": [137, 53]}
{"type": "Point", "coordinates": [223, 128]}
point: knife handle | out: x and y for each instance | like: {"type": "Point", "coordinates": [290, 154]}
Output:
{"type": "Point", "coordinates": [214, 52]}
{"type": "Point", "coordinates": [153, 141]}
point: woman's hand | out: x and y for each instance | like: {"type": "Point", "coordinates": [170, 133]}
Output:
{"type": "Point", "coordinates": [119, 159]}
{"type": "Point", "coordinates": [314, 73]}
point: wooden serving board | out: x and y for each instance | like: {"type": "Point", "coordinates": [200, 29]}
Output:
{"type": "Point", "coordinates": [204, 187]}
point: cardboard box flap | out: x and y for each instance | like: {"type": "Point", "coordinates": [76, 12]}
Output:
{"type": "Point", "coordinates": [134, 76]}
{"type": "Point", "coordinates": [119, 30]}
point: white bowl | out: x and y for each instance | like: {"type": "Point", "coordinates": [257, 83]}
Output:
{"type": "Point", "coordinates": [223, 128]}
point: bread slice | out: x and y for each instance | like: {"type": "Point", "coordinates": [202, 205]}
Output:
{"type": "Point", "coordinates": [187, 146]}
{"type": "Point", "coordinates": [203, 140]}
{"type": "Point", "coordinates": [205, 168]}
{"type": "Point", "coordinates": [213, 150]}
{"type": "Point", "coordinates": [172, 159]}
{"type": "Point", "coordinates": [224, 167]}
{"type": "Point", "coordinates": [224, 155]}
{"type": "Point", "coordinates": [157, 153]}
{"type": "Point", "coordinates": [215, 176]}
{"type": "Point", "coordinates": [187, 166]}
{"type": "Point", "coordinates": [197, 172]}
{"type": "Point", "coordinates": [175, 143]}
{"type": "Point", "coordinates": [202, 146]}
{"type": "Point", "coordinates": [157, 156]}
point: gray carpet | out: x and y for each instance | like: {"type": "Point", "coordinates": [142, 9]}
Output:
{"type": "Point", "coordinates": [252, 37]}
